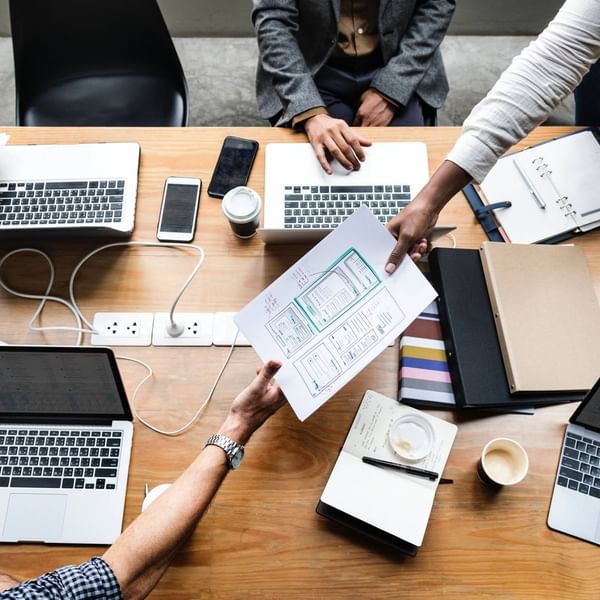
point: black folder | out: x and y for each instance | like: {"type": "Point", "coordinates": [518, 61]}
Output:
{"type": "Point", "coordinates": [474, 357]}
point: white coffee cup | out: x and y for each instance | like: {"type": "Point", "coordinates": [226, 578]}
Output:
{"type": "Point", "coordinates": [503, 462]}
{"type": "Point", "coordinates": [241, 205]}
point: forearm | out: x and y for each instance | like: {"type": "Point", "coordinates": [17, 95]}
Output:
{"type": "Point", "coordinates": [143, 551]}
{"type": "Point", "coordinates": [447, 180]}
{"type": "Point", "coordinates": [536, 82]}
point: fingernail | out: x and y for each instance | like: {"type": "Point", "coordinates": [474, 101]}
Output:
{"type": "Point", "coordinates": [390, 268]}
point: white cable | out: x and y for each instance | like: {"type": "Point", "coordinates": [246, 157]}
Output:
{"type": "Point", "coordinates": [197, 414]}
{"type": "Point", "coordinates": [451, 236]}
{"type": "Point", "coordinates": [43, 297]}
{"type": "Point", "coordinates": [185, 285]}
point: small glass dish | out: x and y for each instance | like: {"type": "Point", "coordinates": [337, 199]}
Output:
{"type": "Point", "coordinates": [411, 437]}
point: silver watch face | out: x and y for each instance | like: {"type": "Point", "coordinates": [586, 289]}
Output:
{"type": "Point", "coordinates": [236, 459]}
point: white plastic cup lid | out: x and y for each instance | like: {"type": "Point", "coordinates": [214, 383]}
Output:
{"type": "Point", "coordinates": [411, 437]}
{"type": "Point", "coordinates": [241, 204]}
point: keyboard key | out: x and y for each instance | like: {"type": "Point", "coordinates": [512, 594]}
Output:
{"type": "Point", "coordinates": [105, 473]}
{"type": "Point", "coordinates": [35, 482]}
{"type": "Point", "coordinates": [562, 481]}
{"type": "Point", "coordinates": [571, 474]}
{"type": "Point", "coordinates": [573, 485]}
{"type": "Point", "coordinates": [68, 483]}
{"type": "Point", "coordinates": [4, 481]}
{"type": "Point", "coordinates": [595, 491]}
{"type": "Point", "coordinates": [569, 462]}
{"type": "Point", "coordinates": [584, 489]}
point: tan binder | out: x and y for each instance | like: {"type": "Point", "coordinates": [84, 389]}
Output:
{"type": "Point", "coordinates": [546, 313]}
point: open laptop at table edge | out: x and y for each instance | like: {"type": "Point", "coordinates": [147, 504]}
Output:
{"type": "Point", "coordinates": [34, 511]}
{"type": "Point", "coordinates": [571, 510]}
{"type": "Point", "coordinates": [395, 171]}
{"type": "Point", "coordinates": [76, 189]}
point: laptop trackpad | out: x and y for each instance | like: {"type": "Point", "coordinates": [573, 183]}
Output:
{"type": "Point", "coordinates": [35, 516]}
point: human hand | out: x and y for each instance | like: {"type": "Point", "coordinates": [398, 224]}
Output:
{"type": "Point", "coordinates": [374, 110]}
{"type": "Point", "coordinates": [411, 226]}
{"type": "Point", "coordinates": [336, 138]}
{"type": "Point", "coordinates": [254, 405]}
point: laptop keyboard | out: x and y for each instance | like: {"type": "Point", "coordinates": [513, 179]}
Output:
{"type": "Point", "coordinates": [325, 207]}
{"type": "Point", "coordinates": [59, 458]}
{"type": "Point", "coordinates": [60, 202]}
{"type": "Point", "coordinates": [580, 465]}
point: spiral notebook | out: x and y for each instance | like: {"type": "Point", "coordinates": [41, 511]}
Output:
{"type": "Point", "coordinates": [547, 192]}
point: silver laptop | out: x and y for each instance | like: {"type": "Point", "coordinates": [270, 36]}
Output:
{"type": "Point", "coordinates": [65, 441]}
{"type": "Point", "coordinates": [80, 189]}
{"type": "Point", "coordinates": [575, 506]}
{"type": "Point", "coordinates": [303, 203]}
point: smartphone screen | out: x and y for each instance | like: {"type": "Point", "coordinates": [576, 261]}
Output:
{"type": "Point", "coordinates": [233, 165]}
{"type": "Point", "coordinates": [179, 207]}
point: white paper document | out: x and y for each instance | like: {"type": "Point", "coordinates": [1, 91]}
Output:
{"type": "Point", "coordinates": [393, 501]}
{"type": "Point", "coordinates": [334, 311]}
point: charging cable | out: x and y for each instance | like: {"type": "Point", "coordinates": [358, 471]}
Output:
{"type": "Point", "coordinates": [46, 297]}
{"type": "Point", "coordinates": [200, 409]}
{"type": "Point", "coordinates": [174, 329]}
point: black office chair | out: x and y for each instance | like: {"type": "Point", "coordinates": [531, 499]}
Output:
{"type": "Point", "coordinates": [96, 62]}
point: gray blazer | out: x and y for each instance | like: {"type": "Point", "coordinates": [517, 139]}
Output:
{"type": "Point", "coordinates": [296, 37]}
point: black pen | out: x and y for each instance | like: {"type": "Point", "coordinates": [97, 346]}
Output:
{"type": "Point", "coordinates": [432, 475]}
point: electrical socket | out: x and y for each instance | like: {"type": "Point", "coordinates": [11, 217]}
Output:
{"type": "Point", "coordinates": [198, 329]}
{"type": "Point", "coordinates": [224, 330]}
{"type": "Point", "coordinates": [122, 329]}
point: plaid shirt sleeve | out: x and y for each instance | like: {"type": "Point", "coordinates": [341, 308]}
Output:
{"type": "Point", "coordinates": [92, 580]}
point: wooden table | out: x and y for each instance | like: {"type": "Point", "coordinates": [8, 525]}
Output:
{"type": "Point", "coordinates": [261, 537]}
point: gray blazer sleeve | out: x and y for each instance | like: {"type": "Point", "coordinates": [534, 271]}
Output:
{"type": "Point", "coordinates": [276, 25]}
{"type": "Point", "coordinates": [401, 75]}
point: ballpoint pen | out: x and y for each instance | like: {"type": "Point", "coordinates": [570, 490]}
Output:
{"type": "Point", "coordinates": [432, 475]}
{"type": "Point", "coordinates": [540, 202]}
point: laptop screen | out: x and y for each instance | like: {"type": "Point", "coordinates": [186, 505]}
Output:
{"type": "Point", "coordinates": [60, 384]}
{"type": "Point", "coordinates": [588, 413]}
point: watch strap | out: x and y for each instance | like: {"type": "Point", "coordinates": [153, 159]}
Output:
{"type": "Point", "coordinates": [227, 444]}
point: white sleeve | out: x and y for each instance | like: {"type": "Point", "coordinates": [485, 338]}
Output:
{"type": "Point", "coordinates": [543, 75]}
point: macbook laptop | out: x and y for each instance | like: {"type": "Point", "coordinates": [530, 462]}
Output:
{"type": "Point", "coordinates": [575, 506]}
{"type": "Point", "coordinates": [65, 441]}
{"type": "Point", "coordinates": [303, 203]}
{"type": "Point", "coordinates": [80, 189]}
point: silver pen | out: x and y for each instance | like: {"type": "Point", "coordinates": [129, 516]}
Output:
{"type": "Point", "coordinates": [540, 202]}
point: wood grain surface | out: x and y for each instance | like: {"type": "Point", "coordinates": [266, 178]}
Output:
{"type": "Point", "coordinates": [261, 537]}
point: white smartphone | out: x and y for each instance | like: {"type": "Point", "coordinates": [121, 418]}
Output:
{"type": "Point", "coordinates": [177, 221]}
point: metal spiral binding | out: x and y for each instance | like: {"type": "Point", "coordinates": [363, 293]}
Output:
{"type": "Point", "coordinates": [546, 173]}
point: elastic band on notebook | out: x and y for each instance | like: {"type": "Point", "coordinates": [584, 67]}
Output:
{"type": "Point", "coordinates": [484, 210]}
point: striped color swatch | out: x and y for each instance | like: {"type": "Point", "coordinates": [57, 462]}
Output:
{"type": "Point", "coordinates": [424, 376]}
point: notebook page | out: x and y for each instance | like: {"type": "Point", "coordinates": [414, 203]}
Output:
{"type": "Point", "coordinates": [390, 500]}
{"type": "Point", "coordinates": [524, 222]}
{"type": "Point", "coordinates": [567, 171]}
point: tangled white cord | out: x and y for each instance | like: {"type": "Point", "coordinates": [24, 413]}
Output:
{"type": "Point", "coordinates": [79, 317]}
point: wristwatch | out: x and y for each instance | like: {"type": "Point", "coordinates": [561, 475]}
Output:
{"type": "Point", "coordinates": [233, 450]}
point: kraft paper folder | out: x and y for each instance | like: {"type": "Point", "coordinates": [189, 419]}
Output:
{"type": "Point", "coordinates": [546, 314]}
{"type": "Point", "coordinates": [474, 357]}
{"type": "Point", "coordinates": [390, 506]}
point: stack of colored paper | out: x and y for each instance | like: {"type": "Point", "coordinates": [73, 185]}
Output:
{"type": "Point", "coordinates": [424, 377]}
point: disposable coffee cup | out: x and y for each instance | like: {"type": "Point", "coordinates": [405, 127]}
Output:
{"type": "Point", "coordinates": [503, 462]}
{"type": "Point", "coordinates": [241, 205]}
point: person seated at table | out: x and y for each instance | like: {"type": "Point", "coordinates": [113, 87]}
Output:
{"type": "Point", "coordinates": [324, 66]}
{"type": "Point", "coordinates": [133, 565]}
{"type": "Point", "coordinates": [536, 82]}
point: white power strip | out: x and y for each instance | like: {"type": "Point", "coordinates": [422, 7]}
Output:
{"type": "Point", "coordinates": [144, 329]}
{"type": "Point", "coordinates": [122, 329]}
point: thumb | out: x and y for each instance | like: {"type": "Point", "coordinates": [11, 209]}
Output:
{"type": "Point", "coordinates": [266, 373]}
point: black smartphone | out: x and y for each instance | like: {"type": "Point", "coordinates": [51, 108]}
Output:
{"type": "Point", "coordinates": [177, 221]}
{"type": "Point", "coordinates": [233, 165]}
